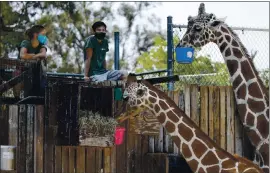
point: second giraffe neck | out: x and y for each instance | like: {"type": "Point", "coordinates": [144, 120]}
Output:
{"type": "Point", "coordinates": [240, 65]}
{"type": "Point", "coordinates": [250, 93]}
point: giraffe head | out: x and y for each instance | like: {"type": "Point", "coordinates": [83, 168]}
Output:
{"type": "Point", "coordinates": [201, 29]}
{"type": "Point", "coordinates": [136, 94]}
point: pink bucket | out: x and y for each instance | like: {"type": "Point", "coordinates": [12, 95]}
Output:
{"type": "Point", "coordinates": [119, 135]}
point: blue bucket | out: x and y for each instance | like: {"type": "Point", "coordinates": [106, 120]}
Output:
{"type": "Point", "coordinates": [184, 55]}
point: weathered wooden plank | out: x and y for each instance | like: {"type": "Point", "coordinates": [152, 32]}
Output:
{"type": "Point", "coordinates": [157, 163]}
{"type": "Point", "coordinates": [211, 113]}
{"type": "Point", "coordinates": [156, 141]}
{"type": "Point", "coordinates": [216, 106]}
{"type": "Point", "coordinates": [160, 139]}
{"type": "Point", "coordinates": [187, 99]}
{"type": "Point", "coordinates": [194, 114]}
{"type": "Point", "coordinates": [99, 160]}
{"type": "Point", "coordinates": [138, 154]}
{"type": "Point", "coordinates": [50, 128]}
{"type": "Point", "coordinates": [230, 133]}
{"type": "Point", "coordinates": [144, 147]}
{"type": "Point", "coordinates": [113, 159]}
{"type": "Point", "coordinates": [12, 130]}
{"type": "Point", "coordinates": [38, 139]}
{"type": "Point", "coordinates": [121, 165]}
{"type": "Point", "coordinates": [222, 117]}
{"type": "Point", "coordinates": [182, 100]}
{"type": "Point", "coordinates": [130, 150]}
{"type": "Point", "coordinates": [80, 159]}
{"type": "Point", "coordinates": [13, 124]}
{"type": "Point", "coordinates": [58, 159]}
{"type": "Point", "coordinates": [97, 142]}
{"type": "Point", "coordinates": [204, 109]}
{"type": "Point", "coordinates": [21, 164]}
{"type": "Point", "coordinates": [238, 136]}
{"type": "Point", "coordinates": [30, 139]}
{"type": "Point", "coordinates": [65, 160]}
{"type": "Point", "coordinates": [4, 114]}
{"type": "Point", "coordinates": [107, 160]}
{"type": "Point", "coordinates": [151, 144]}
{"type": "Point", "coordinates": [90, 160]}
{"type": "Point", "coordinates": [71, 160]}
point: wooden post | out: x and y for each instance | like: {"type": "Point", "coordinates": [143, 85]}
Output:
{"type": "Point", "coordinates": [194, 114]}
{"type": "Point", "coordinates": [22, 139]}
{"type": "Point", "coordinates": [30, 139]}
{"type": "Point", "coordinates": [13, 131]}
{"type": "Point", "coordinates": [38, 138]}
{"type": "Point", "coordinates": [204, 109]}
{"type": "Point", "coordinates": [4, 114]}
{"type": "Point", "coordinates": [230, 132]}
{"type": "Point", "coordinates": [50, 129]}
{"type": "Point", "coordinates": [222, 118]}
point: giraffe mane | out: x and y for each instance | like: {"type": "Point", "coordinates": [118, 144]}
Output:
{"type": "Point", "coordinates": [249, 60]}
{"type": "Point", "coordinates": [180, 111]}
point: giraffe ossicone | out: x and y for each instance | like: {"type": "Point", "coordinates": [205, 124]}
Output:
{"type": "Point", "coordinates": [200, 151]}
{"type": "Point", "coordinates": [250, 93]}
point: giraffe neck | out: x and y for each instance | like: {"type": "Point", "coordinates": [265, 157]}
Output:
{"type": "Point", "coordinates": [200, 152]}
{"type": "Point", "coordinates": [250, 93]}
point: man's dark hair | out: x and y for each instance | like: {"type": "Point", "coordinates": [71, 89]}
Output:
{"type": "Point", "coordinates": [98, 24]}
{"type": "Point", "coordinates": [35, 29]}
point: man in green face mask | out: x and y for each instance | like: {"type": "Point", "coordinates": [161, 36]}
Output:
{"type": "Point", "coordinates": [95, 49]}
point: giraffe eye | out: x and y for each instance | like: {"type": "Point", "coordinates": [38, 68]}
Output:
{"type": "Point", "coordinates": [140, 92]}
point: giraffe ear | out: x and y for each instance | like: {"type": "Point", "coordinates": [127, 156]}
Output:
{"type": "Point", "coordinates": [189, 18]}
{"type": "Point", "coordinates": [215, 23]}
{"type": "Point", "coordinates": [222, 19]}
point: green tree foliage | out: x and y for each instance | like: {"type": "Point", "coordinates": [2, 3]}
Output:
{"type": "Point", "coordinates": [69, 24]}
{"type": "Point", "coordinates": [265, 77]}
{"type": "Point", "coordinates": [156, 58]}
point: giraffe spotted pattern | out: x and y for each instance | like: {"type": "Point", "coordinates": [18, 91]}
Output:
{"type": "Point", "coordinates": [200, 152]}
{"type": "Point", "coordinates": [250, 93]}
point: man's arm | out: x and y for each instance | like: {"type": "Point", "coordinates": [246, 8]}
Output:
{"type": "Point", "coordinates": [87, 62]}
{"type": "Point", "coordinates": [41, 55]}
{"type": "Point", "coordinates": [25, 55]}
{"type": "Point", "coordinates": [104, 64]}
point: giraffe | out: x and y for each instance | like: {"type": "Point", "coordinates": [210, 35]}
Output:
{"type": "Point", "coordinates": [250, 93]}
{"type": "Point", "coordinates": [201, 153]}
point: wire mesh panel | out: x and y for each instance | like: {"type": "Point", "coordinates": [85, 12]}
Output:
{"type": "Point", "coordinates": [208, 67]}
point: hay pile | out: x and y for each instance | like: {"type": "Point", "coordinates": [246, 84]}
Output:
{"type": "Point", "coordinates": [95, 125]}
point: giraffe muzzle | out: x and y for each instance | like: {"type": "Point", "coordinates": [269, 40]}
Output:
{"type": "Point", "coordinates": [125, 96]}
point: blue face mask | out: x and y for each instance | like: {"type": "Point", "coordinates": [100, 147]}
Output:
{"type": "Point", "coordinates": [42, 39]}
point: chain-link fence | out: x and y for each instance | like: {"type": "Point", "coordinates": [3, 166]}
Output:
{"type": "Point", "coordinates": [208, 67]}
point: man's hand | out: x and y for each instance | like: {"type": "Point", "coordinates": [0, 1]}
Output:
{"type": "Point", "coordinates": [36, 57]}
{"type": "Point", "coordinates": [86, 79]}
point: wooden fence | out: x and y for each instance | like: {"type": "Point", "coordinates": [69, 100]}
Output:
{"type": "Point", "coordinates": [33, 129]}
{"type": "Point", "coordinates": [83, 159]}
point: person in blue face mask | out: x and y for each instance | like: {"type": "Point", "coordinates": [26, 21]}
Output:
{"type": "Point", "coordinates": [35, 46]}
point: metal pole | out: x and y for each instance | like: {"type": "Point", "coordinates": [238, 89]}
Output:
{"type": "Point", "coordinates": [170, 50]}
{"type": "Point", "coordinates": [116, 51]}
